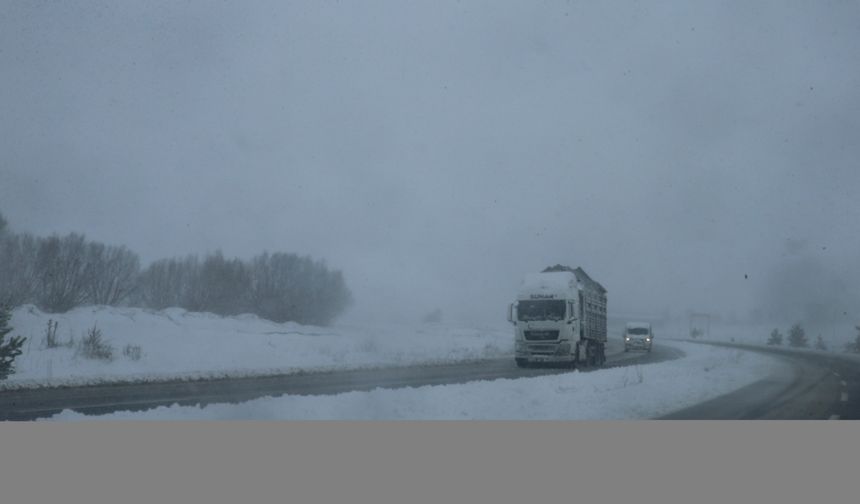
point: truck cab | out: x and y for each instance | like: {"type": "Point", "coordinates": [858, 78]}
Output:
{"type": "Point", "coordinates": [546, 330]}
{"type": "Point", "coordinates": [559, 317]}
{"type": "Point", "coordinates": [638, 336]}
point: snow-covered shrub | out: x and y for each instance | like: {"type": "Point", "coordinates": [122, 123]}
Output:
{"type": "Point", "coordinates": [93, 346]}
{"type": "Point", "coordinates": [133, 352]}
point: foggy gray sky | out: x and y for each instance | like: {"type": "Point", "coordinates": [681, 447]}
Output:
{"type": "Point", "coordinates": [437, 151]}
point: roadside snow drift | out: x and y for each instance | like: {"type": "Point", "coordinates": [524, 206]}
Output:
{"type": "Point", "coordinates": [177, 344]}
{"type": "Point", "coordinates": [645, 391]}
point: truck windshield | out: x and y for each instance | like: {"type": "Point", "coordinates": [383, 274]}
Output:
{"type": "Point", "coordinates": [540, 310]}
{"type": "Point", "coordinates": [638, 331]}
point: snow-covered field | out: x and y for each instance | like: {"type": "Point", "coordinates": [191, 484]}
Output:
{"type": "Point", "coordinates": [834, 336]}
{"type": "Point", "coordinates": [177, 344]}
{"type": "Point", "coordinates": [635, 392]}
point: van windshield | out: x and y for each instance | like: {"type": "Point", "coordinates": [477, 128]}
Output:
{"type": "Point", "coordinates": [552, 309]}
{"type": "Point", "coordinates": [638, 331]}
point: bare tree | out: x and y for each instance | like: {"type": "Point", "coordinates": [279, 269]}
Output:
{"type": "Point", "coordinates": [110, 273]}
{"type": "Point", "coordinates": [288, 287]}
{"type": "Point", "coordinates": [18, 279]}
{"type": "Point", "coordinates": [60, 269]}
{"type": "Point", "coordinates": [59, 273]}
{"type": "Point", "coordinates": [271, 278]}
{"type": "Point", "coordinates": [223, 285]}
{"type": "Point", "coordinates": [152, 290]}
{"type": "Point", "coordinates": [168, 282]}
{"type": "Point", "coordinates": [278, 287]}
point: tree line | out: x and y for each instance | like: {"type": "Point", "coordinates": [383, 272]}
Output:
{"type": "Point", "coordinates": [58, 273]}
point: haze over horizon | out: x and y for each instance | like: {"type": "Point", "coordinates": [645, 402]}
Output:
{"type": "Point", "coordinates": [688, 157]}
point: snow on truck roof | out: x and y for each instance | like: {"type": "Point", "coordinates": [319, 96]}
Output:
{"type": "Point", "coordinates": [548, 283]}
{"type": "Point", "coordinates": [580, 274]}
{"type": "Point", "coordinates": [557, 281]}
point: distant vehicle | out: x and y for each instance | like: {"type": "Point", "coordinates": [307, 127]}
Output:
{"type": "Point", "coordinates": [638, 335]}
{"type": "Point", "coordinates": [559, 317]}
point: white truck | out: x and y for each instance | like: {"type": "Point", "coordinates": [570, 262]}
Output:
{"type": "Point", "coordinates": [559, 317]}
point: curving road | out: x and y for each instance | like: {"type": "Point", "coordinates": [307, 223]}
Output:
{"type": "Point", "coordinates": [102, 399]}
{"type": "Point", "coordinates": [814, 386]}
{"type": "Point", "coordinates": [817, 386]}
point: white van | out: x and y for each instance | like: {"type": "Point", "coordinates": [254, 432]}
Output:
{"type": "Point", "coordinates": [638, 335]}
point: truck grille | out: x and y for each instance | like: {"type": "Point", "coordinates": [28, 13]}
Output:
{"type": "Point", "coordinates": [541, 335]}
{"type": "Point", "coordinates": [543, 349]}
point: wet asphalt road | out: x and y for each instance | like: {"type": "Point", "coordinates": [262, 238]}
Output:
{"type": "Point", "coordinates": [816, 386]}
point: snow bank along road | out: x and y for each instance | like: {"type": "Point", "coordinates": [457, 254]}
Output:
{"type": "Point", "coordinates": [816, 386]}
{"type": "Point", "coordinates": [101, 399]}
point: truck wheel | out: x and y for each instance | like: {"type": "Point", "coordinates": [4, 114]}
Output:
{"type": "Point", "coordinates": [522, 363]}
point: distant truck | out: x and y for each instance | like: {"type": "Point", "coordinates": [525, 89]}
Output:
{"type": "Point", "coordinates": [559, 317]}
{"type": "Point", "coordinates": [638, 335]}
